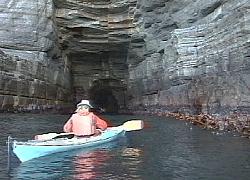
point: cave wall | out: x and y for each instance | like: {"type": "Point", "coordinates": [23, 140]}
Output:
{"type": "Point", "coordinates": [78, 48]}
{"type": "Point", "coordinates": [95, 34]}
{"type": "Point", "coordinates": [100, 78]}
{"type": "Point", "coordinates": [190, 56]}
{"type": "Point", "coordinates": [34, 73]}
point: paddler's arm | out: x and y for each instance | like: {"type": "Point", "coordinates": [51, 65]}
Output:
{"type": "Point", "coordinates": [68, 126]}
{"type": "Point", "coordinates": [100, 123]}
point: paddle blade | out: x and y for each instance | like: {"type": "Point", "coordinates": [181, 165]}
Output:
{"type": "Point", "coordinates": [133, 125]}
{"type": "Point", "coordinates": [49, 136]}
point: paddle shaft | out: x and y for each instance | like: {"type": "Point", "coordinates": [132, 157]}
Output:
{"type": "Point", "coordinates": [131, 125]}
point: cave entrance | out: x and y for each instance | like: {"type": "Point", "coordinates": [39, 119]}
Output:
{"type": "Point", "coordinates": [104, 99]}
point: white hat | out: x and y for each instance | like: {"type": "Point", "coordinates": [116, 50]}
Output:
{"type": "Point", "coordinates": [84, 102]}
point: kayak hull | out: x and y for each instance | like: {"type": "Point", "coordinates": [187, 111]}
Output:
{"type": "Point", "coordinates": [27, 150]}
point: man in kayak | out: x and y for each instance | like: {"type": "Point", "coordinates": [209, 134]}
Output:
{"type": "Point", "coordinates": [83, 122]}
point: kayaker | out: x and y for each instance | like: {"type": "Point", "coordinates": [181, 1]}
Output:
{"type": "Point", "coordinates": [84, 122]}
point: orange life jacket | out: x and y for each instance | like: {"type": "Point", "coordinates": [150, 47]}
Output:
{"type": "Point", "coordinates": [84, 124]}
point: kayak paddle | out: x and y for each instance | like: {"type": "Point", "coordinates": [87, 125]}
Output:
{"type": "Point", "coordinates": [131, 125]}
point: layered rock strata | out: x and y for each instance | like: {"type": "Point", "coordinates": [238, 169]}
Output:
{"type": "Point", "coordinates": [34, 75]}
{"type": "Point", "coordinates": [31, 86]}
{"type": "Point", "coordinates": [187, 56]}
{"type": "Point", "coordinates": [191, 58]}
{"type": "Point", "coordinates": [96, 36]}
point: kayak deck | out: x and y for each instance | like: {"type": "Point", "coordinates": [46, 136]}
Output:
{"type": "Point", "coordinates": [27, 150]}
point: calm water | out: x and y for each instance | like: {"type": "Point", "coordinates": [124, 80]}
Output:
{"type": "Point", "coordinates": [167, 149]}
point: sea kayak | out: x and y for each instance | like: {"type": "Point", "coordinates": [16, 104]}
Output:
{"type": "Point", "coordinates": [27, 150]}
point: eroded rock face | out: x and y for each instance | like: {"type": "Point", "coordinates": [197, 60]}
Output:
{"type": "Point", "coordinates": [33, 74]}
{"type": "Point", "coordinates": [191, 56]}
{"type": "Point", "coordinates": [94, 26]}
{"type": "Point", "coordinates": [80, 46]}
{"type": "Point", "coordinates": [31, 86]}
{"type": "Point", "coordinates": [185, 56]}
{"type": "Point", "coordinates": [96, 36]}
{"type": "Point", "coordinates": [27, 29]}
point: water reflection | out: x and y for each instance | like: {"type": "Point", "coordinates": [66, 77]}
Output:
{"type": "Point", "coordinates": [42, 168]}
{"type": "Point", "coordinates": [134, 161]}
{"type": "Point", "coordinates": [132, 152]}
{"type": "Point", "coordinates": [86, 164]}
{"type": "Point", "coordinates": [94, 165]}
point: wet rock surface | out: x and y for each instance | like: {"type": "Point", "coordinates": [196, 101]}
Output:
{"type": "Point", "coordinates": [234, 122]}
{"type": "Point", "coordinates": [191, 57]}
{"type": "Point", "coordinates": [34, 75]}
{"type": "Point", "coordinates": [28, 86]}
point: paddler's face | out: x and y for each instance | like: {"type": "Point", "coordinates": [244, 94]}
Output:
{"type": "Point", "coordinates": [84, 108]}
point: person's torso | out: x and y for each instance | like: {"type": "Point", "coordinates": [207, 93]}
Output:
{"type": "Point", "coordinates": [83, 124]}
